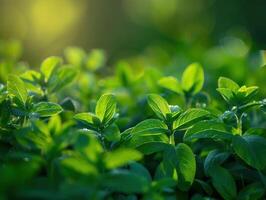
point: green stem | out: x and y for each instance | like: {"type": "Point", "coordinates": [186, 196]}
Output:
{"type": "Point", "coordinates": [188, 100]}
{"type": "Point", "coordinates": [239, 125]}
{"type": "Point", "coordinates": [172, 139]}
{"type": "Point", "coordinates": [101, 137]}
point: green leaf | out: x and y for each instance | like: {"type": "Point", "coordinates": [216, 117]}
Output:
{"type": "Point", "coordinates": [227, 83]}
{"type": "Point", "coordinates": [252, 149]}
{"type": "Point", "coordinates": [59, 79]}
{"type": "Point", "coordinates": [46, 109]}
{"type": "Point", "coordinates": [205, 186]}
{"type": "Point", "coordinates": [186, 166]}
{"type": "Point", "coordinates": [159, 105]}
{"type": "Point", "coordinates": [78, 165]}
{"type": "Point", "coordinates": [35, 137]}
{"type": "Point", "coordinates": [223, 182]}
{"type": "Point", "coordinates": [106, 107]}
{"type": "Point", "coordinates": [16, 88]}
{"type": "Point", "coordinates": [254, 191]}
{"type": "Point", "coordinates": [190, 117]}
{"type": "Point", "coordinates": [227, 94]}
{"type": "Point", "coordinates": [148, 131]}
{"type": "Point", "coordinates": [164, 184]}
{"type": "Point", "coordinates": [96, 59]}
{"type": "Point", "coordinates": [193, 78]}
{"type": "Point", "coordinates": [121, 157]}
{"type": "Point", "coordinates": [208, 130]}
{"type": "Point", "coordinates": [125, 181]}
{"type": "Point", "coordinates": [32, 80]}
{"type": "Point", "coordinates": [246, 94]}
{"type": "Point", "coordinates": [140, 170]}
{"type": "Point", "coordinates": [166, 169]}
{"type": "Point", "coordinates": [49, 65]}
{"type": "Point", "coordinates": [124, 73]}
{"type": "Point", "coordinates": [214, 158]}
{"type": "Point", "coordinates": [112, 133]}
{"type": "Point", "coordinates": [171, 83]}
{"type": "Point", "coordinates": [88, 145]}
{"type": "Point", "coordinates": [75, 56]}
{"type": "Point", "coordinates": [68, 104]}
{"type": "Point", "coordinates": [87, 118]}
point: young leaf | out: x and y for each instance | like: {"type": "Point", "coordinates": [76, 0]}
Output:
{"type": "Point", "coordinates": [87, 118]}
{"type": "Point", "coordinates": [246, 94]}
{"type": "Point", "coordinates": [49, 65]}
{"type": "Point", "coordinates": [252, 149]}
{"type": "Point", "coordinates": [193, 78]}
{"type": "Point", "coordinates": [223, 182]}
{"type": "Point", "coordinates": [16, 88]}
{"type": "Point", "coordinates": [106, 107]}
{"type": "Point", "coordinates": [186, 166]}
{"type": "Point", "coordinates": [190, 117]}
{"type": "Point", "coordinates": [227, 94]}
{"type": "Point", "coordinates": [112, 133]}
{"type": "Point", "coordinates": [75, 56]}
{"type": "Point", "coordinates": [96, 59]}
{"type": "Point", "coordinates": [228, 84]}
{"type": "Point", "coordinates": [61, 78]}
{"type": "Point", "coordinates": [159, 105]}
{"type": "Point", "coordinates": [121, 157]}
{"type": "Point", "coordinates": [171, 83]}
{"type": "Point", "coordinates": [46, 109]}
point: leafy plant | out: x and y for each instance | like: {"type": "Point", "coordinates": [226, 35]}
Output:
{"type": "Point", "coordinates": [125, 136]}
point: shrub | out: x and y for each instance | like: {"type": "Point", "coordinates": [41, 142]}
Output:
{"type": "Point", "coordinates": [69, 131]}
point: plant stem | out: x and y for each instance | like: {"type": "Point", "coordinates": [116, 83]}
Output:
{"type": "Point", "coordinates": [172, 139]}
{"type": "Point", "coordinates": [239, 125]}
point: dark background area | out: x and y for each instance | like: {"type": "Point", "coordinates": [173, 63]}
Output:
{"type": "Point", "coordinates": [126, 27]}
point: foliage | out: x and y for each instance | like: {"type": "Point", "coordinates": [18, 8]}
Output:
{"type": "Point", "coordinates": [73, 131]}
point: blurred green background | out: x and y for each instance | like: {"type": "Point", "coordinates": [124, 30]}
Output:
{"type": "Point", "coordinates": [127, 27]}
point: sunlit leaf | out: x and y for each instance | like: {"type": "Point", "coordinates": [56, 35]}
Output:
{"type": "Point", "coordinates": [16, 88]}
{"type": "Point", "coordinates": [159, 105]}
{"type": "Point", "coordinates": [46, 109]}
{"type": "Point", "coordinates": [106, 107]}
{"type": "Point", "coordinates": [190, 117]}
{"type": "Point", "coordinates": [121, 157]}
{"type": "Point", "coordinates": [193, 78]}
